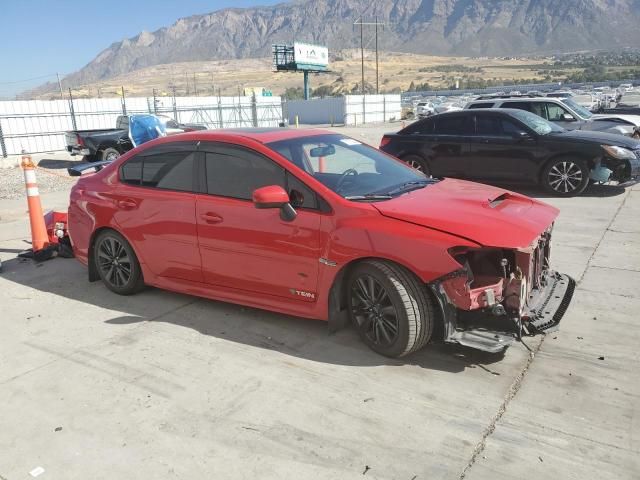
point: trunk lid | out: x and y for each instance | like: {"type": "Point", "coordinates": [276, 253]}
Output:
{"type": "Point", "coordinates": [487, 215]}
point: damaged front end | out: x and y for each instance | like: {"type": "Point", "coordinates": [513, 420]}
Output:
{"type": "Point", "coordinates": [499, 295]}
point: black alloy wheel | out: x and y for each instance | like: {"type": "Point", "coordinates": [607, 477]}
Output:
{"type": "Point", "coordinates": [374, 311]}
{"type": "Point", "coordinates": [117, 264]}
{"type": "Point", "coordinates": [390, 308]}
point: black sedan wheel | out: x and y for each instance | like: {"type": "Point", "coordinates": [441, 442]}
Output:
{"type": "Point", "coordinates": [390, 308]}
{"type": "Point", "coordinates": [417, 162]}
{"type": "Point", "coordinates": [117, 264]}
{"type": "Point", "coordinates": [565, 177]}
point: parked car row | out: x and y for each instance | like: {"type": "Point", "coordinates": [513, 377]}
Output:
{"type": "Point", "coordinates": [514, 145]}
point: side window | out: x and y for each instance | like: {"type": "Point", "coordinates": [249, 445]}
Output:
{"type": "Point", "coordinates": [422, 127]}
{"type": "Point", "coordinates": [122, 122]}
{"type": "Point", "coordinates": [236, 173]}
{"type": "Point", "coordinates": [481, 105]}
{"type": "Point", "coordinates": [518, 105]}
{"type": "Point", "coordinates": [488, 125]}
{"type": "Point", "coordinates": [538, 109]}
{"type": "Point", "coordinates": [131, 171]}
{"type": "Point", "coordinates": [300, 195]}
{"type": "Point", "coordinates": [510, 128]}
{"type": "Point", "coordinates": [452, 125]}
{"type": "Point", "coordinates": [555, 112]}
{"type": "Point", "coordinates": [169, 171]}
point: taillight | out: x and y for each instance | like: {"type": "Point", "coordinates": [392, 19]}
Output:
{"type": "Point", "coordinates": [385, 140]}
{"type": "Point", "coordinates": [79, 140]}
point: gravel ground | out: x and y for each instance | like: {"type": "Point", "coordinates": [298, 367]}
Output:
{"type": "Point", "coordinates": [49, 180]}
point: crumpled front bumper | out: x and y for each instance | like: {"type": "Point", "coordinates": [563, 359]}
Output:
{"type": "Point", "coordinates": [484, 330]}
{"type": "Point", "coordinates": [548, 305]}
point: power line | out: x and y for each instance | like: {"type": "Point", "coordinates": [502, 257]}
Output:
{"type": "Point", "coordinates": [29, 79]}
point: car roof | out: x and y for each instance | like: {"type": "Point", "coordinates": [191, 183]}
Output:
{"type": "Point", "coordinates": [261, 135]}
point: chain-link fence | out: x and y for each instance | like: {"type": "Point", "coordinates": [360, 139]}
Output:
{"type": "Point", "coordinates": [39, 125]}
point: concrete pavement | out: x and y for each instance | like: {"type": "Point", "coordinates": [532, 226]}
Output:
{"type": "Point", "coordinates": [161, 385]}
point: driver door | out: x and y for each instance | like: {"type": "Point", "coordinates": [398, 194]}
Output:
{"type": "Point", "coordinates": [252, 249]}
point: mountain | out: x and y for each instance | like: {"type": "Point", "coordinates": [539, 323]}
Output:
{"type": "Point", "coordinates": [438, 27]}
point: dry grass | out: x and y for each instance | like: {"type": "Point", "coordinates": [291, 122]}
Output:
{"type": "Point", "coordinates": [229, 77]}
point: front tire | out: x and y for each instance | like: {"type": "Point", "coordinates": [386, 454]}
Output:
{"type": "Point", "coordinates": [565, 177]}
{"type": "Point", "coordinates": [390, 307]}
{"type": "Point", "coordinates": [117, 264]}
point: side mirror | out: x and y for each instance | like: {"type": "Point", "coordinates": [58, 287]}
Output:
{"type": "Point", "coordinates": [274, 196]}
{"type": "Point", "coordinates": [567, 118]}
{"type": "Point", "coordinates": [522, 136]}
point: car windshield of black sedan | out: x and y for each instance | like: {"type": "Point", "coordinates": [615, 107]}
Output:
{"type": "Point", "coordinates": [350, 168]}
{"type": "Point", "coordinates": [536, 123]}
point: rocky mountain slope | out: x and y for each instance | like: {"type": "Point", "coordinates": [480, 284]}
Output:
{"type": "Point", "coordinates": [440, 27]}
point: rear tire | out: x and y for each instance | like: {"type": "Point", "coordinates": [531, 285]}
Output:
{"type": "Point", "coordinates": [109, 154]}
{"type": "Point", "coordinates": [390, 307]}
{"type": "Point", "coordinates": [565, 177]}
{"type": "Point", "coordinates": [417, 162]}
{"type": "Point", "coordinates": [117, 264]}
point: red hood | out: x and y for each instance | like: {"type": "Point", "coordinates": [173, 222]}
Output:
{"type": "Point", "coordinates": [487, 215]}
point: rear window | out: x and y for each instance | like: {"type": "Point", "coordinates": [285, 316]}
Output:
{"type": "Point", "coordinates": [452, 125]}
{"type": "Point", "coordinates": [481, 105]}
{"type": "Point", "coordinates": [166, 171]}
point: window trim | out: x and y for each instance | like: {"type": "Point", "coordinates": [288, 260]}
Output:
{"type": "Point", "coordinates": [210, 147]}
{"type": "Point", "coordinates": [159, 150]}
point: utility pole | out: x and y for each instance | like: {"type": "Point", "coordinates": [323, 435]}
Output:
{"type": "Point", "coordinates": [377, 74]}
{"type": "Point", "coordinates": [362, 23]}
{"type": "Point", "coordinates": [195, 85]}
{"type": "Point", "coordinates": [60, 86]}
{"type": "Point", "coordinates": [361, 57]}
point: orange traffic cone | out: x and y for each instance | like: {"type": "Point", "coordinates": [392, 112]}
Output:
{"type": "Point", "coordinates": [321, 166]}
{"type": "Point", "coordinates": [39, 237]}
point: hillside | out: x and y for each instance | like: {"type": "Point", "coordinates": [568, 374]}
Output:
{"type": "Point", "coordinates": [435, 27]}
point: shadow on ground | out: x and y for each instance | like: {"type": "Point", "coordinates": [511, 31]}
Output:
{"type": "Point", "coordinates": [302, 338]}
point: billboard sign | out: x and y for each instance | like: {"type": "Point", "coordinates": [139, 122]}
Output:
{"type": "Point", "coordinates": [306, 54]}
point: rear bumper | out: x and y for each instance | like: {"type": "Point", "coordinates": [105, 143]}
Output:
{"type": "Point", "coordinates": [78, 151]}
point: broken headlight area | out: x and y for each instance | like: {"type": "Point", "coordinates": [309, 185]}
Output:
{"type": "Point", "coordinates": [499, 295]}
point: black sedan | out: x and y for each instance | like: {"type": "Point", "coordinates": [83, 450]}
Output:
{"type": "Point", "coordinates": [514, 146]}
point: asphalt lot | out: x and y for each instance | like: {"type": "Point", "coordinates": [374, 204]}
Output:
{"type": "Point", "coordinates": [162, 385]}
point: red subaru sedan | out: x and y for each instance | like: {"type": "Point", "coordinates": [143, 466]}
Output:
{"type": "Point", "coordinates": [316, 224]}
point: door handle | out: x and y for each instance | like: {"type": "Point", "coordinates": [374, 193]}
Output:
{"type": "Point", "coordinates": [127, 204]}
{"type": "Point", "coordinates": [210, 217]}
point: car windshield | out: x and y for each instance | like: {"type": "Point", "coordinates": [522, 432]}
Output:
{"type": "Point", "coordinates": [536, 123]}
{"type": "Point", "coordinates": [350, 168]}
{"type": "Point", "coordinates": [579, 109]}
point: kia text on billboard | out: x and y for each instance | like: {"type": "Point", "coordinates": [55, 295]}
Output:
{"type": "Point", "coordinates": [311, 54]}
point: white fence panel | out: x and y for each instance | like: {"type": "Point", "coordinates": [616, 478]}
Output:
{"type": "Point", "coordinates": [39, 125]}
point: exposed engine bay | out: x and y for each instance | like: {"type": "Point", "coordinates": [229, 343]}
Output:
{"type": "Point", "coordinates": [500, 295]}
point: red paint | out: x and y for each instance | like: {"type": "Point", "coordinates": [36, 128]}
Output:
{"type": "Point", "coordinates": [227, 249]}
{"type": "Point", "coordinates": [270, 196]}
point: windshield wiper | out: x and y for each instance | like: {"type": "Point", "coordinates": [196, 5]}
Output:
{"type": "Point", "coordinates": [369, 196]}
{"type": "Point", "coordinates": [408, 186]}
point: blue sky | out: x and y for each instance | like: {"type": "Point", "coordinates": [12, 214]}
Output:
{"type": "Point", "coordinates": [42, 37]}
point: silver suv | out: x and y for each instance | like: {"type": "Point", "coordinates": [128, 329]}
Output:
{"type": "Point", "coordinates": [564, 112]}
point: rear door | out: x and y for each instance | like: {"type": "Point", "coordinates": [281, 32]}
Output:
{"type": "Point", "coordinates": [155, 209]}
{"type": "Point", "coordinates": [451, 144]}
{"type": "Point", "coordinates": [499, 149]}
